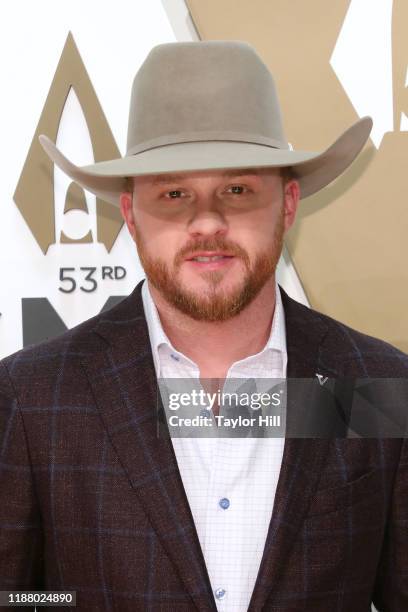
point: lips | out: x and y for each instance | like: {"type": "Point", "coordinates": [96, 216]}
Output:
{"type": "Point", "coordinates": [210, 261]}
{"type": "Point", "coordinates": [207, 257]}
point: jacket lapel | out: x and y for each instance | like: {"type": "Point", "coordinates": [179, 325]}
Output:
{"type": "Point", "coordinates": [121, 373]}
{"type": "Point", "coordinates": [303, 459]}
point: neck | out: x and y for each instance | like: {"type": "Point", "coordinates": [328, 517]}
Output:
{"type": "Point", "coordinates": [217, 345]}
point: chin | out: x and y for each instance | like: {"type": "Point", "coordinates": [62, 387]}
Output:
{"type": "Point", "coordinates": [201, 287]}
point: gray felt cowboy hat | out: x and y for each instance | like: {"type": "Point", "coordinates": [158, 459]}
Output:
{"type": "Point", "coordinates": [208, 105]}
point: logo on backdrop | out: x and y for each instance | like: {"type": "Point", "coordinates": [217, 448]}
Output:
{"type": "Point", "coordinates": [48, 200]}
{"type": "Point", "coordinates": [35, 193]}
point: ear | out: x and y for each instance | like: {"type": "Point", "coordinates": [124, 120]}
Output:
{"type": "Point", "coordinates": [291, 196]}
{"type": "Point", "coordinates": [126, 208]}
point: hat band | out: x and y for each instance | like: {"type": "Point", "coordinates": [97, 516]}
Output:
{"type": "Point", "coordinates": [204, 136]}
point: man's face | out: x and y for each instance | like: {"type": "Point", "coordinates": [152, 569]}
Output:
{"type": "Point", "coordinates": [210, 241]}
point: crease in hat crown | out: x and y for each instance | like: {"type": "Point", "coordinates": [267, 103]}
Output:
{"type": "Point", "coordinates": [210, 90]}
{"type": "Point", "coordinates": [208, 105]}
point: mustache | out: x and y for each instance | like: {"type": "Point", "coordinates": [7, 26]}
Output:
{"type": "Point", "coordinates": [210, 244]}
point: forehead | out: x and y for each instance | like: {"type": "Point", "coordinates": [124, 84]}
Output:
{"type": "Point", "coordinates": [162, 179]}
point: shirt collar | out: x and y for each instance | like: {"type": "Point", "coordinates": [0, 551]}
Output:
{"type": "Point", "coordinates": [157, 334]}
{"type": "Point", "coordinates": [276, 340]}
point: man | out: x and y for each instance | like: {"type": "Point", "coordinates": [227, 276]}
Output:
{"type": "Point", "coordinates": [94, 500]}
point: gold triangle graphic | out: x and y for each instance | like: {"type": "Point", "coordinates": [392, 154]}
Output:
{"type": "Point", "coordinates": [34, 194]}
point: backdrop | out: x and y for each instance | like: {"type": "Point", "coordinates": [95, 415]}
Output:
{"type": "Point", "coordinates": [68, 69]}
{"type": "Point", "coordinates": [334, 62]}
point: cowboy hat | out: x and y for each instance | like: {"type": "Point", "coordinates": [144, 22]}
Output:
{"type": "Point", "coordinates": [208, 105]}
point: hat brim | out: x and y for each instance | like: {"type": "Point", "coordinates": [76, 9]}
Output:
{"type": "Point", "coordinates": [313, 170]}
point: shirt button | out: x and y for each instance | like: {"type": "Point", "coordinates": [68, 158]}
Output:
{"type": "Point", "coordinates": [220, 593]}
{"type": "Point", "coordinates": [175, 357]}
{"type": "Point", "coordinates": [224, 503]}
{"type": "Point", "coordinates": [205, 412]}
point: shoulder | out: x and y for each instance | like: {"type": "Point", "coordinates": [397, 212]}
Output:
{"type": "Point", "coordinates": [48, 358]}
{"type": "Point", "coordinates": [43, 361]}
{"type": "Point", "coordinates": [344, 349]}
{"type": "Point", "coordinates": [374, 356]}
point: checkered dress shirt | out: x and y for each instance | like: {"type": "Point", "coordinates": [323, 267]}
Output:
{"type": "Point", "coordinates": [230, 483]}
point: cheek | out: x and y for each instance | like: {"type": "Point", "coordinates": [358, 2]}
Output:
{"type": "Point", "coordinates": [271, 224]}
{"type": "Point", "coordinates": [255, 232]}
{"type": "Point", "coordinates": [261, 220]}
{"type": "Point", "coordinates": [159, 241]}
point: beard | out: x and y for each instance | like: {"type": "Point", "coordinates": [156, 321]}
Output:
{"type": "Point", "coordinates": [213, 304]}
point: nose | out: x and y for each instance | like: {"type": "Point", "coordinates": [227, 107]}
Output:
{"type": "Point", "coordinates": [207, 218]}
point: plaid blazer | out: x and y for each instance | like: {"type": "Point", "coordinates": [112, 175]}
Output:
{"type": "Point", "coordinates": [93, 501]}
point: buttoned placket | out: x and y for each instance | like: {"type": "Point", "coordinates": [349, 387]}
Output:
{"type": "Point", "coordinates": [221, 506]}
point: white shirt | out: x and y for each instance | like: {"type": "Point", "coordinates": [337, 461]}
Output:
{"type": "Point", "coordinates": [230, 483]}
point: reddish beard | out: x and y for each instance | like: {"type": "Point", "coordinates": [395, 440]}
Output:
{"type": "Point", "coordinates": [213, 305]}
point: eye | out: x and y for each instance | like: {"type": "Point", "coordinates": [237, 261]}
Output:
{"type": "Point", "coordinates": [237, 189]}
{"type": "Point", "coordinates": [173, 194]}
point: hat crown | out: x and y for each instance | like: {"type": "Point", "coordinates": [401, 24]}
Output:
{"type": "Point", "coordinates": [201, 91]}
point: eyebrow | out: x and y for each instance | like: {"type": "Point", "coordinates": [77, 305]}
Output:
{"type": "Point", "coordinates": [159, 179]}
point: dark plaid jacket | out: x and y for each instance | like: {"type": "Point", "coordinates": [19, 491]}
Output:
{"type": "Point", "coordinates": [92, 501]}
